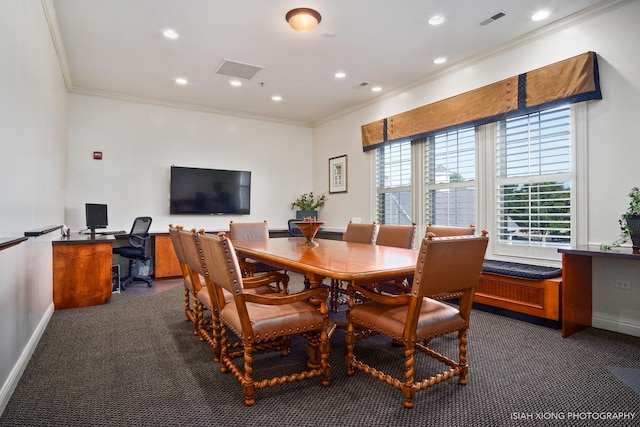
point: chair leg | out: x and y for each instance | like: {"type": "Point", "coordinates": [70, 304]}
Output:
{"type": "Point", "coordinates": [462, 361]}
{"type": "Point", "coordinates": [248, 386]}
{"type": "Point", "coordinates": [408, 386]}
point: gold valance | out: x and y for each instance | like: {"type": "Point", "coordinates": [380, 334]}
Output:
{"type": "Point", "coordinates": [572, 80]}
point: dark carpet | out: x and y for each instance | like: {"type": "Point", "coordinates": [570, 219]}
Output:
{"type": "Point", "coordinates": [135, 362]}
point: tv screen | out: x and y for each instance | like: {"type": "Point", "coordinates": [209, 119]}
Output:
{"type": "Point", "coordinates": [96, 216]}
{"type": "Point", "coordinates": [199, 191]}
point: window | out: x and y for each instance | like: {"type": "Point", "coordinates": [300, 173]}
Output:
{"type": "Point", "coordinates": [515, 177]}
{"type": "Point", "coordinates": [393, 184]}
{"type": "Point", "coordinates": [450, 177]}
{"type": "Point", "coordinates": [534, 179]}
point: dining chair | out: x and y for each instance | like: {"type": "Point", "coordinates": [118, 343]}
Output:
{"type": "Point", "coordinates": [261, 321]}
{"type": "Point", "coordinates": [355, 233]}
{"type": "Point", "coordinates": [191, 287]}
{"type": "Point", "coordinates": [209, 330]}
{"type": "Point", "coordinates": [398, 236]}
{"type": "Point", "coordinates": [448, 231]}
{"type": "Point", "coordinates": [414, 320]}
{"type": "Point", "coordinates": [251, 231]}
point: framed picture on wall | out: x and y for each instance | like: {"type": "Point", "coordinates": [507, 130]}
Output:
{"type": "Point", "coordinates": [338, 174]}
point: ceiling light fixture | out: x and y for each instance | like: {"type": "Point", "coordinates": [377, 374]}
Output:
{"type": "Point", "coordinates": [376, 89]}
{"type": "Point", "coordinates": [440, 60]}
{"type": "Point", "coordinates": [303, 19]}
{"type": "Point", "coordinates": [436, 20]}
{"type": "Point", "coordinates": [170, 34]}
{"type": "Point", "coordinates": [235, 83]}
{"type": "Point", "coordinates": [276, 98]}
{"type": "Point", "coordinates": [181, 81]}
{"type": "Point", "coordinates": [539, 16]}
{"type": "Point", "coordinates": [340, 75]}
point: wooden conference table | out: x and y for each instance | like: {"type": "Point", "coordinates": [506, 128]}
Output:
{"type": "Point", "coordinates": [334, 259]}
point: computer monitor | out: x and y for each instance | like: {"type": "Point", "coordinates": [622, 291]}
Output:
{"type": "Point", "coordinates": [96, 215]}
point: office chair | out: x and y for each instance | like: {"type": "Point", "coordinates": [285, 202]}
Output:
{"type": "Point", "coordinates": [136, 250]}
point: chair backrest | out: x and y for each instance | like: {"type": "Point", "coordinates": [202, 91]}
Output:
{"type": "Point", "coordinates": [359, 233]}
{"type": "Point", "coordinates": [399, 236]}
{"type": "Point", "coordinates": [248, 230]}
{"type": "Point", "coordinates": [294, 231]}
{"type": "Point", "coordinates": [448, 264]}
{"type": "Point", "coordinates": [220, 262]}
{"type": "Point", "coordinates": [450, 230]}
{"type": "Point", "coordinates": [140, 231]}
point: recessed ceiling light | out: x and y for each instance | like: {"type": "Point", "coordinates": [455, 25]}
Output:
{"type": "Point", "coordinates": [170, 34]}
{"type": "Point", "coordinates": [539, 16]}
{"type": "Point", "coordinates": [440, 60]}
{"type": "Point", "coordinates": [436, 20]}
{"type": "Point", "coordinates": [340, 75]}
{"type": "Point", "coordinates": [181, 81]}
{"type": "Point", "coordinates": [376, 89]}
{"type": "Point", "coordinates": [276, 98]}
{"type": "Point", "coordinates": [235, 83]}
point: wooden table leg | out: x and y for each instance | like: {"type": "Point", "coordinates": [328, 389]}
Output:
{"type": "Point", "coordinates": [576, 293]}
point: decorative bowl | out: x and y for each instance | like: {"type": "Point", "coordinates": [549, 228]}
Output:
{"type": "Point", "coordinates": [309, 230]}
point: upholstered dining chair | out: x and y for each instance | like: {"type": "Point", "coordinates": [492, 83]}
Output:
{"type": "Point", "coordinates": [191, 287]}
{"type": "Point", "coordinates": [449, 231]}
{"type": "Point", "coordinates": [251, 231]}
{"type": "Point", "coordinates": [260, 321]}
{"type": "Point", "coordinates": [398, 236]}
{"type": "Point", "coordinates": [209, 330]}
{"type": "Point", "coordinates": [413, 319]}
{"type": "Point", "coordinates": [355, 233]}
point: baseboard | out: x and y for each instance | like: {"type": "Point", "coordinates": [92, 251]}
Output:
{"type": "Point", "coordinates": [615, 325]}
{"type": "Point", "coordinates": [16, 372]}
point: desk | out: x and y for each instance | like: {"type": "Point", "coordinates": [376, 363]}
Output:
{"type": "Point", "coordinates": [577, 284]}
{"type": "Point", "coordinates": [82, 270]}
{"type": "Point", "coordinates": [335, 259]}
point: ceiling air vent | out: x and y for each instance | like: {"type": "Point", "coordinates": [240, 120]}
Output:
{"type": "Point", "coordinates": [492, 18]}
{"type": "Point", "coordinates": [237, 69]}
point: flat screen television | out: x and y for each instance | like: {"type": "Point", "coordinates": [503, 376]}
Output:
{"type": "Point", "coordinates": [96, 216]}
{"type": "Point", "coordinates": [197, 191]}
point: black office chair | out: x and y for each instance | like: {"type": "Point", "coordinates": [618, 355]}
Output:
{"type": "Point", "coordinates": [293, 230]}
{"type": "Point", "coordinates": [136, 250]}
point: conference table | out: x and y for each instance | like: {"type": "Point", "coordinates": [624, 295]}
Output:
{"type": "Point", "coordinates": [333, 259]}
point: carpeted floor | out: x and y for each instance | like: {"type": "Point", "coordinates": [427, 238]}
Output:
{"type": "Point", "coordinates": [135, 362]}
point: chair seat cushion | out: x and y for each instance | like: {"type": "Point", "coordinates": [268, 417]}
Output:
{"type": "Point", "coordinates": [525, 271]}
{"type": "Point", "coordinates": [271, 321]}
{"type": "Point", "coordinates": [435, 319]}
{"type": "Point", "coordinates": [129, 252]}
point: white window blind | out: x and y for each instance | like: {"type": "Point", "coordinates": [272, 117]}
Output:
{"type": "Point", "coordinates": [393, 184]}
{"type": "Point", "coordinates": [450, 178]}
{"type": "Point", "coordinates": [533, 177]}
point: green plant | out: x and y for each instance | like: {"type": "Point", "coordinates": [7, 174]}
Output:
{"type": "Point", "coordinates": [632, 209]}
{"type": "Point", "coordinates": [309, 202]}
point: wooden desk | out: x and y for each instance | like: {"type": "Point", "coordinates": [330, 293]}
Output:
{"type": "Point", "coordinates": [335, 259]}
{"type": "Point", "coordinates": [82, 270]}
{"type": "Point", "coordinates": [577, 284]}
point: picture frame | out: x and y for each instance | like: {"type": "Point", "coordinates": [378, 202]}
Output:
{"type": "Point", "coordinates": [338, 174]}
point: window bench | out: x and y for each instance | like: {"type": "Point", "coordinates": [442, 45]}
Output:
{"type": "Point", "coordinates": [522, 288]}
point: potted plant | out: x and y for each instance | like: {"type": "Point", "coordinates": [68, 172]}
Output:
{"type": "Point", "coordinates": [629, 223]}
{"type": "Point", "coordinates": [308, 205]}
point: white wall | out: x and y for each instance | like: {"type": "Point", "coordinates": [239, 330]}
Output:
{"type": "Point", "coordinates": [33, 176]}
{"type": "Point", "coordinates": [141, 141]}
{"type": "Point", "coordinates": [613, 151]}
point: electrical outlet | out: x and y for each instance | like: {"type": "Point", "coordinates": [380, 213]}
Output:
{"type": "Point", "coordinates": [622, 284]}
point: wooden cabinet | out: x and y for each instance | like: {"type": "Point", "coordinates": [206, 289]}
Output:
{"type": "Point", "coordinates": [81, 271]}
{"type": "Point", "coordinates": [166, 261]}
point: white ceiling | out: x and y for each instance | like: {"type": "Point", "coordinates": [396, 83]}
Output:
{"type": "Point", "coordinates": [116, 48]}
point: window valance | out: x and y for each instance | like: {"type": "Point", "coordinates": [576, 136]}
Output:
{"type": "Point", "coordinates": [572, 80]}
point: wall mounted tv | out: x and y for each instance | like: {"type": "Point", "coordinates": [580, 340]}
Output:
{"type": "Point", "coordinates": [197, 191]}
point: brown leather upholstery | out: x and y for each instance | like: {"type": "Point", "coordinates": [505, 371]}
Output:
{"type": "Point", "coordinates": [412, 319]}
{"type": "Point", "coordinates": [359, 233]}
{"type": "Point", "coordinates": [260, 320]}
{"type": "Point", "coordinates": [399, 236]}
{"type": "Point", "coordinates": [209, 331]}
{"type": "Point", "coordinates": [448, 231]}
{"type": "Point", "coordinates": [251, 231]}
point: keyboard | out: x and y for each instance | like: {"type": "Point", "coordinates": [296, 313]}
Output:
{"type": "Point", "coordinates": [111, 233]}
